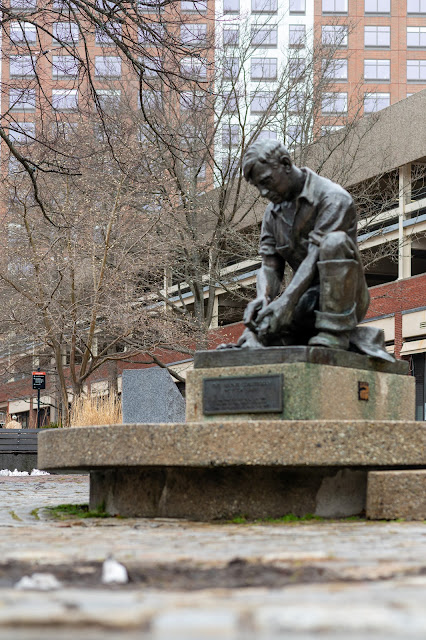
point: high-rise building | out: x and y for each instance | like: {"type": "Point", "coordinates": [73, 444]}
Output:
{"type": "Point", "coordinates": [368, 55]}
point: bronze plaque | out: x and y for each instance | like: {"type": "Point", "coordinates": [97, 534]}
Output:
{"type": "Point", "coordinates": [252, 394]}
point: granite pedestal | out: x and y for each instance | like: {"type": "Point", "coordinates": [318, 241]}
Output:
{"type": "Point", "coordinates": [264, 436]}
{"type": "Point", "coordinates": [315, 383]}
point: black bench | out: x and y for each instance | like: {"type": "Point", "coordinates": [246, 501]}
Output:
{"type": "Point", "coordinates": [18, 449]}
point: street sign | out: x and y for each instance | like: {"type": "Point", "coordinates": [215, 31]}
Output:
{"type": "Point", "coordinates": [39, 380]}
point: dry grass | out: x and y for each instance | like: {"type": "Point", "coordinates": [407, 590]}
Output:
{"type": "Point", "coordinates": [87, 411]}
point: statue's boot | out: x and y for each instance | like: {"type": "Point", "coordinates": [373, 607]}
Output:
{"type": "Point", "coordinates": [337, 315]}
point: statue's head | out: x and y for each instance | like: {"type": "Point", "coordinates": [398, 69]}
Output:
{"type": "Point", "coordinates": [268, 166]}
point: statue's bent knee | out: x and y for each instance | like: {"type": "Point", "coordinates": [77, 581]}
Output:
{"type": "Point", "coordinates": [336, 245]}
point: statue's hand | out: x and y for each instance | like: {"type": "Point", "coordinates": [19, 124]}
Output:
{"type": "Point", "coordinates": [276, 318]}
{"type": "Point", "coordinates": [248, 340]}
{"type": "Point", "coordinates": [252, 310]}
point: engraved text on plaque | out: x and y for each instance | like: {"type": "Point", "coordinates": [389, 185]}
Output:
{"type": "Point", "coordinates": [252, 394]}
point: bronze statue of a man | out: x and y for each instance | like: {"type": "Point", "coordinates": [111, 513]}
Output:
{"type": "Point", "coordinates": [311, 224]}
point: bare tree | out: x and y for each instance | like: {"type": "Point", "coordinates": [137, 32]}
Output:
{"type": "Point", "coordinates": [124, 200]}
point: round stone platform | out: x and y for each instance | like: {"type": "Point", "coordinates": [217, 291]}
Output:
{"type": "Point", "coordinates": [220, 470]}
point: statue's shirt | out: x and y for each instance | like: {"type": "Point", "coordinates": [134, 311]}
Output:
{"type": "Point", "coordinates": [321, 207]}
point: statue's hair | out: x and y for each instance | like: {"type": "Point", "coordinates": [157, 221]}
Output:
{"type": "Point", "coordinates": [262, 151]}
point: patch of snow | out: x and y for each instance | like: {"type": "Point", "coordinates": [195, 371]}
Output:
{"type": "Point", "coordinates": [8, 472]}
{"type": "Point", "coordinates": [113, 572]}
{"type": "Point", "coordinates": [38, 582]}
{"type": "Point", "coordinates": [34, 472]}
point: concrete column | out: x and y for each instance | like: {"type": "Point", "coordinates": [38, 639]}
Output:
{"type": "Point", "coordinates": [167, 280]}
{"type": "Point", "coordinates": [215, 316]}
{"type": "Point", "coordinates": [404, 241]}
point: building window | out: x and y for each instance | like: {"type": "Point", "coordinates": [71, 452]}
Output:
{"type": "Point", "coordinates": [151, 34]}
{"type": "Point", "coordinates": [296, 36]}
{"type": "Point", "coordinates": [297, 6]}
{"type": "Point", "coordinates": [264, 6]}
{"type": "Point", "coordinates": [377, 70]}
{"type": "Point", "coordinates": [262, 101]}
{"type": "Point", "coordinates": [65, 33]}
{"type": "Point", "coordinates": [230, 102]}
{"type": "Point", "coordinates": [64, 66]}
{"type": "Point", "coordinates": [149, 6]}
{"type": "Point", "coordinates": [108, 98]}
{"type": "Point", "coordinates": [23, 5]}
{"type": "Point", "coordinates": [264, 68]}
{"type": "Point", "coordinates": [264, 35]}
{"type": "Point", "coordinates": [22, 132]}
{"type": "Point", "coordinates": [64, 99]}
{"type": "Point", "coordinates": [377, 37]}
{"type": "Point", "coordinates": [231, 36]}
{"type": "Point", "coordinates": [416, 6]}
{"type": "Point", "coordinates": [192, 101]}
{"type": "Point", "coordinates": [296, 67]}
{"type": "Point", "coordinates": [193, 68]}
{"type": "Point", "coordinates": [231, 135]}
{"type": "Point", "coordinates": [334, 35]}
{"type": "Point", "coordinates": [229, 164]}
{"type": "Point", "coordinates": [193, 6]}
{"type": "Point", "coordinates": [296, 102]}
{"type": "Point", "coordinates": [416, 71]}
{"type": "Point", "coordinates": [335, 6]}
{"type": "Point", "coordinates": [107, 66]}
{"type": "Point", "coordinates": [194, 35]}
{"type": "Point", "coordinates": [334, 103]}
{"type": "Point", "coordinates": [231, 68]}
{"type": "Point", "coordinates": [335, 69]}
{"type": "Point", "coordinates": [266, 134]}
{"type": "Point", "coordinates": [152, 100]}
{"type": "Point", "coordinates": [377, 6]}
{"type": "Point", "coordinates": [294, 134]}
{"type": "Point", "coordinates": [416, 37]}
{"type": "Point", "coordinates": [195, 171]}
{"type": "Point", "coordinates": [105, 35]}
{"type": "Point", "coordinates": [152, 66]}
{"type": "Point", "coordinates": [23, 33]}
{"type": "Point", "coordinates": [21, 66]}
{"type": "Point", "coordinates": [231, 6]}
{"type": "Point", "coordinates": [22, 99]}
{"type": "Point", "coordinates": [376, 102]}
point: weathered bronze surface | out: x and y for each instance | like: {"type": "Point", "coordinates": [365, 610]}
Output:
{"type": "Point", "coordinates": [249, 394]}
{"type": "Point", "coordinates": [310, 224]}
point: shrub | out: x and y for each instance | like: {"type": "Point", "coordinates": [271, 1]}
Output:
{"type": "Point", "coordinates": [95, 410]}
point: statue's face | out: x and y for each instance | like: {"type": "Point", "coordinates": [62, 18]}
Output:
{"type": "Point", "coordinates": [273, 180]}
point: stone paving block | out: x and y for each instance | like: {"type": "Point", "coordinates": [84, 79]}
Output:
{"type": "Point", "coordinates": [396, 494]}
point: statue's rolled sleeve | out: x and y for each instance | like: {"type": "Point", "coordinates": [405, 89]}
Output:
{"type": "Point", "coordinates": [267, 245]}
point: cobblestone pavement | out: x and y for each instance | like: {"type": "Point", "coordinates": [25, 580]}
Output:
{"type": "Point", "coordinates": [333, 580]}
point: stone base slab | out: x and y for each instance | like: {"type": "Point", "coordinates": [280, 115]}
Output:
{"type": "Point", "coordinates": [396, 494]}
{"type": "Point", "coordinates": [310, 391]}
{"type": "Point", "coordinates": [270, 443]}
{"type": "Point", "coordinates": [258, 469]}
{"type": "Point", "coordinates": [226, 493]}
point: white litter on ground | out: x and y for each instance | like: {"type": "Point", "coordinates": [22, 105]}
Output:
{"type": "Point", "coordinates": [34, 472]}
{"type": "Point", "coordinates": [38, 582]}
{"type": "Point", "coordinates": [113, 572]}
